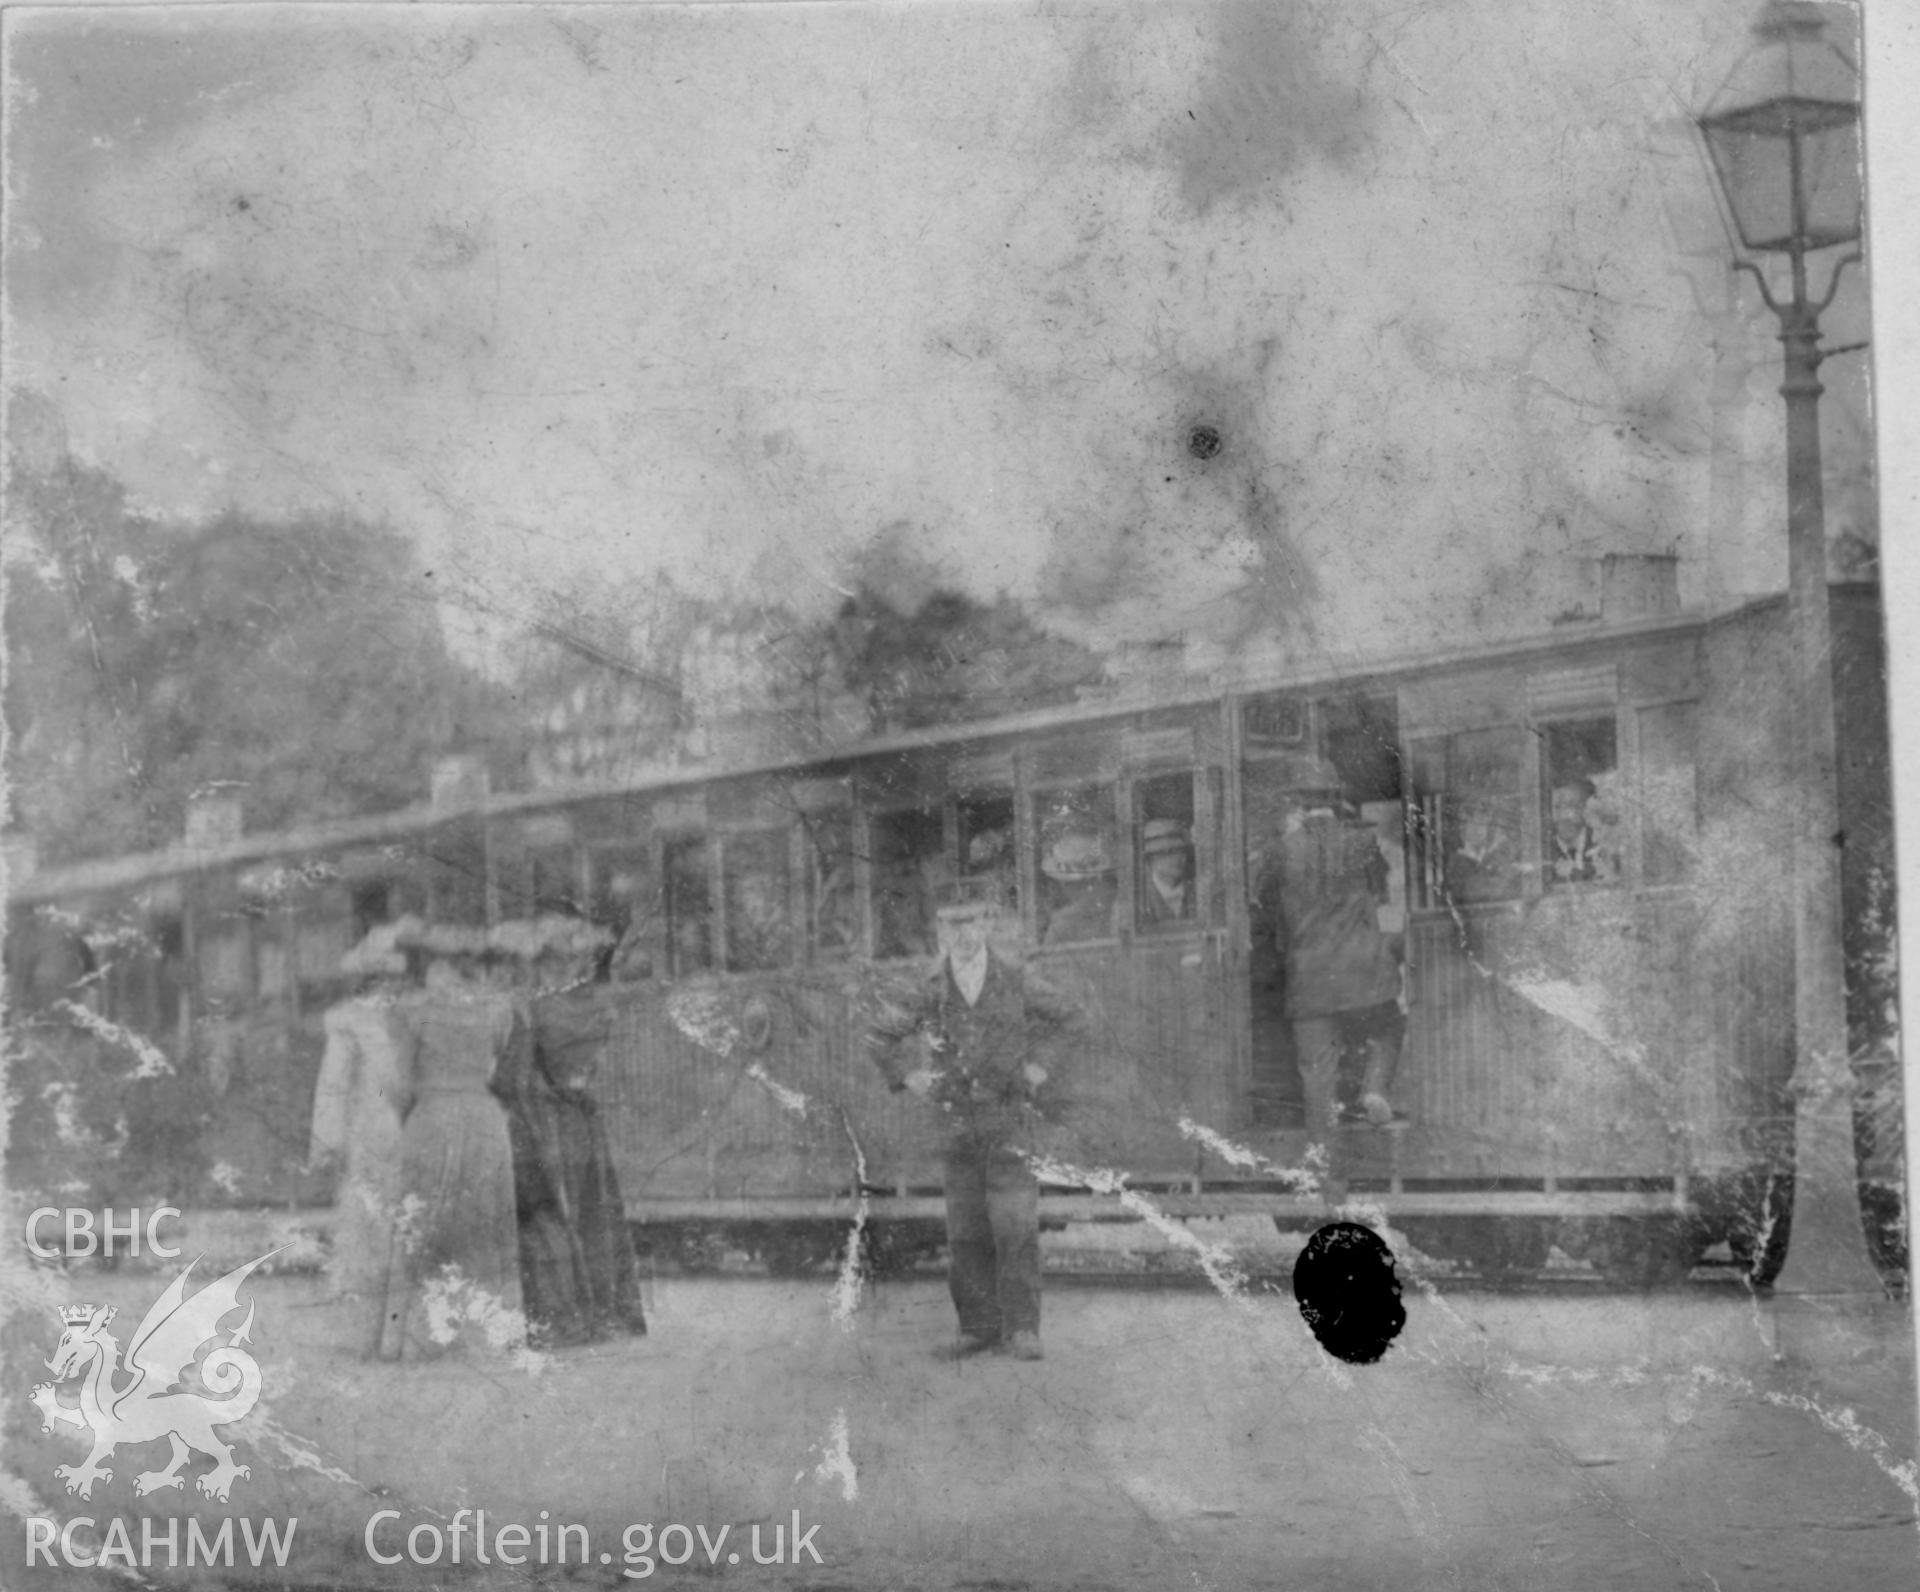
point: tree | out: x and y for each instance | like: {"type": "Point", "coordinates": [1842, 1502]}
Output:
{"type": "Point", "coordinates": [296, 664]}
{"type": "Point", "coordinates": [70, 615]}
{"type": "Point", "coordinates": [952, 658]}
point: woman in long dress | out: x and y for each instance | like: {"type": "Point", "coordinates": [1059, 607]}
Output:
{"type": "Point", "coordinates": [362, 1094]}
{"type": "Point", "coordinates": [456, 1267]}
{"type": "Point", "coordinates": [580, 1279]}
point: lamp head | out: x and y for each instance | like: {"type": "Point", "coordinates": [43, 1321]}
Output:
{"type": "Point", "coordinates": [1783, 134]}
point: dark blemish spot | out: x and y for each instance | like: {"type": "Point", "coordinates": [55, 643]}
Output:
{"type": "Point", "coordinates": [1203, 442]}
{"type": "Point", "coordinates": [1348, 1294]}
{"type": "Point", "coordinates": [241, 204]}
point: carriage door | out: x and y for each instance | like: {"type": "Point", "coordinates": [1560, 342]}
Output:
{"type": "Point", "coordinates": [1362, 738]}
{"type": "Point", "coordinates": [1359, 734]}
{"type": "Point", "coordinates": [1171, 905]}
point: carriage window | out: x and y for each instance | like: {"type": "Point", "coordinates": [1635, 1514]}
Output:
{"type": "Point", "coordinates": [622, 901]}
{"type": "Point", "coordinates": [370, 904]}
{"type": "Point", "coordinates": [318, 947]}
{"type": "Point", "coordinates": [457, 874]}
{"type": "Point", "coordinates": [909, 860]}
{"type": "Point", "coordinates": [1166, 884]}
{"type": "Point", "coordinates": [1668, 796]}
{"type": "Point", "coordinates": [833, 905]}
{"type": "Point", "coordinates": [689, 906]}
{"type": "Point", "coordinates": [1275, 724]}
{"type": "Point", "coordinates": [1387, 820]}
{"type": "Point", "coordinates": [270, 960]}
{"type": "Point", "coordinates": [759, 906]}
{"type": "Point", "coordinates": [1579, 777]}
{"type": "Point", "coordinates": [1467, 818]}
{"type": "Point", "coordinates": [1073, 837]}
{"type": "Point", "coordinates": [1362, 739]}
{"type": "Point", "coordinates": [987, 848]}
{"type": "Point", "coordinates": [224, 957]}
{"type": "Point", "coordinates": [160, 975]}
{"type": "Point", "coordinates": [554, 882]}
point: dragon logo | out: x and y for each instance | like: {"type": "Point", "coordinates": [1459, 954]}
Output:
{"type": "Point", "coordinates": [142, 1409]}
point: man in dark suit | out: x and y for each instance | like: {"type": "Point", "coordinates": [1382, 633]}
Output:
{"type": "Point", "coordinates": [1343, 981]}
{"type": "Point", "coordinates": [987, 1028]}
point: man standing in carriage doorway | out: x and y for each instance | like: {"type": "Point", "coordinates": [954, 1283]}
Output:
{"type": "Point", "coordinates": [989, 1065]}
{"type": "Point", "coordinates": [1342, 970]}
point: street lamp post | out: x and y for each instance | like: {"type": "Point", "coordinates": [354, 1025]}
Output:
{"type": "Point", "coordinates": [1783, 134]}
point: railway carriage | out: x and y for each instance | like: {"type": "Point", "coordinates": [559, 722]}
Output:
{"type": "Point", "coordinates": [1597, 1047]}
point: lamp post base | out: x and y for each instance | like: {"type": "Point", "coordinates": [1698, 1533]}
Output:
{"type": "Point", "coordinates": [1827, 1250]}
{"type": "Point", "coordinates": [1810, 1332]}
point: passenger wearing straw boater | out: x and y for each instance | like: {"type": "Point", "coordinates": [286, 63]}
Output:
{"type": "Point", "coordinates": [1166, 885]}
{"type": "Point", "coordinates": [986, 1026]}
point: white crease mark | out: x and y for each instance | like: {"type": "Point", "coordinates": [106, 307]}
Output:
{"type": "Point", "coordinates": [153, 1060]}
{"type": "Point", "coordinates": [99, 938]}
{"type": "Point", "coordinates": [1559, 998]}
{"type": "Point", "coordinates": [847, 1286]}
{"type": "Point", "coordinates": [836, 1462]}
{"type": "Point", "coordinates": [1843, 1423]}
{"type": "Point", "coordinates": [702, 1017]}
{"type": "Point", "coordinates": [453, 1301]}
{"type": "Point", "coordinates": [1222, 1270]}
{"type": "Point", "coordinates": [298, 1452]}
{"type": "Point", "coordinates": [791, 1098]}
{"type": "Point", "coordinates": [64, 1101]}
{"type": "Point", "coordinates": [1581, 1007]}
{"type": "Point", "coordinates": [1305, 1179]}
{"type": "Point", "coordinates": [278, 883]}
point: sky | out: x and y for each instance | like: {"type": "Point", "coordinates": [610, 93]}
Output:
{"type": "Point", "coordinates": [777, 298]}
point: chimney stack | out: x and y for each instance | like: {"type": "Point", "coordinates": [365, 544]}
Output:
{"type": "Point", "coordinates": [1638, 586]}
{"type": "Point", "coordinates": [460, 782]}
{"type": "Point", "coordinates": [215, 820]}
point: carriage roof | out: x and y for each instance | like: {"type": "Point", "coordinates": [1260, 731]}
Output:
{"type": "Point", "coordinates": [1248, 678]}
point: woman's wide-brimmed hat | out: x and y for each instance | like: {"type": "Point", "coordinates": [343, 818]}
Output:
{"type": "Point", "coordinates": [522, 939]}
{"type": "Point", "coordinates": [378, 955]}
{"type": "Point", "coordinates": [441, 939]}
{"type": "Point", "coordinates": [1076, 853]}
{"type": "Point", "coordinates": [554, 934]}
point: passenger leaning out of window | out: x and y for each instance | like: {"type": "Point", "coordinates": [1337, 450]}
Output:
{"type": "Point", "coordinates": [1166, 894]}
{"type": "Point", "coordinates": [1578, 851]}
